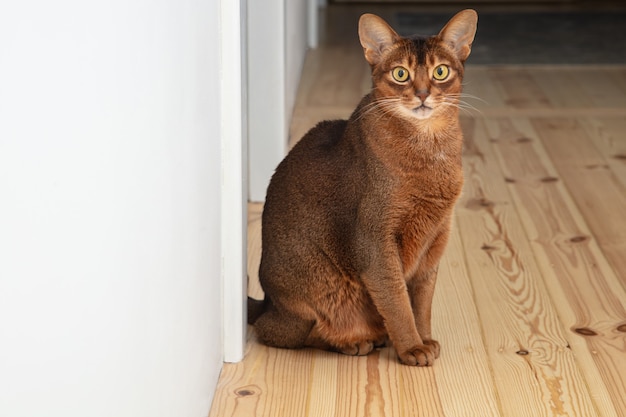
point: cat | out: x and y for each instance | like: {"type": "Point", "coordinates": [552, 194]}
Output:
{"type": "Point", "coordinates": [358, 214]}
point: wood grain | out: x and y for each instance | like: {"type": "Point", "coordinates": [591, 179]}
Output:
{"type": "Point", "coordinates": [459, 329]}
{"type": "Point", "coordinates": [597, 190]}
{"type": "Point", "coordinates": [585, 291]}
{"type": "Point", "coordinates": [607, 135]}
{"type": "Point", "coordinates": [536, 371]}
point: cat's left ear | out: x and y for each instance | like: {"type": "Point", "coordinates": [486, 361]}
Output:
{"type": "Point", "coordinates": [459, 33]}
{"type": "Point", "coordinates": [376, 37]}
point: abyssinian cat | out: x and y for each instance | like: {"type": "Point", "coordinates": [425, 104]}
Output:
{"type": "Point", "coordinates": [358, 214]}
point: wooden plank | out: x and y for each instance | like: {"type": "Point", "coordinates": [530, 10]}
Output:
{"type": "Point", "coordinates": [599, 87]}
{"type": "Point", "coordinates": [463, 374]}
{"type": "Point", "coordinates": [391, 389]}
{"type": "Point", "coordinates": [560, 87]}
{"type": "Point", "coordinates": [599, 195]}
{"type": "Point", "coordinates": [372, 385]}
{"type": "Point", "coordinates": [618, 74]}
{"type": "Point", "coordinates": [417, 391]}
{"type": "Point", "coordinates": [580, 87]}
{"type": "Point", "coordinates": [609, 138]}
{"type": "Point", "coordinates": [535, 371]}
{"type": "Point", "coordinates": [586, 293]}
{"type": "Point", "coordinates": [479, 83]}
{"type": "Point", "coordinates": [519, 89]}
{"type": "Point", "coordinates": [258, 385]}
{"type": "Point", "coordinates": [325, 373]}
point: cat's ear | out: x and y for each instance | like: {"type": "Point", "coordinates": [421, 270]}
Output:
{"type": "Point", "coordinates": [376, 37]}
{"type": "Point", "coordinates": [459, 33]}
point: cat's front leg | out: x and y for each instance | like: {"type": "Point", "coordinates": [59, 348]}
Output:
{"type": "Point", "coordinates": [422, 355]}
{"type": "Point", "coordinates": [421, 290]}
{"type": "Point", "coordinates": [391, 298]}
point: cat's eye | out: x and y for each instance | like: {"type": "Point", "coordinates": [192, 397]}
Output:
{"type": "Point", "coordinates": [441, 72]}
{"type": "Point", "coordinates": [400, 74]}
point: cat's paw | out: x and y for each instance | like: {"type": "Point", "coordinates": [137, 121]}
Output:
{"type": "Point", "coordinates": [422, 355]}
{"type": "Point", "coordinates": [357, 349]}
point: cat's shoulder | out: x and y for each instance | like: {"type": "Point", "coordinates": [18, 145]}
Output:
{"type": "Point", "coordinates": [322, 137]}
{"type": "Point", "coordinates": [327, 131]}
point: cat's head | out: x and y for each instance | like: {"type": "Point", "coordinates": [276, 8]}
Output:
{"type": "Point", "coordinates": [418, 78]}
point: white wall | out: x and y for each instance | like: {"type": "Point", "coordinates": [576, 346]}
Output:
{"type": "Point", "coordinates": [277, 44]}
{"type": "Point", "coordinates": [109, 208]}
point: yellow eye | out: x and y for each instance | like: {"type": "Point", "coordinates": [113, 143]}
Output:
{"type": "Point", "coordinates": [441, 72]}
{"type": "Point", "coordinates": [400, 74]}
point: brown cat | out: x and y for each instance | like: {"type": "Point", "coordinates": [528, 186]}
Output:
{"type": "Point", "coordinates": [358, 213]}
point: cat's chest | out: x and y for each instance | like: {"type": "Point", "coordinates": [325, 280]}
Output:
{"type": "Point", "coordinates": [416, 238]}
{"type": "Point", "coordinates": [421, 220]}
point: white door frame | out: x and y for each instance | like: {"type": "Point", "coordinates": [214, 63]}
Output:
{"type": "Point", "coordinates": [234, 178]}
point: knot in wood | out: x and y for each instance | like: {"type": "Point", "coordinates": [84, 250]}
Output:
{"type": "Point", "coordinates": [578, 239]}
{"type": "Point", "coordinates": [585, 331]}
{"type": "Point", "coordinates": [244, 392]}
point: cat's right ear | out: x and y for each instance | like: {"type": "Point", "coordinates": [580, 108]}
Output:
{"type": "Point", "coordinates": [376, 37]}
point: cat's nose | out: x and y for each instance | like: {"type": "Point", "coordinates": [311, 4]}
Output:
{"type": "Point", "coordinates": [422, 94]}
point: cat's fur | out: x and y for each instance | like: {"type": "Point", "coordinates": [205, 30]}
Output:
{"type": "Point", "coordinates": [358, 213]}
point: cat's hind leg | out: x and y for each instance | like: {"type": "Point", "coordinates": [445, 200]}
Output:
{"type": "Point", "coordinates": [358, 349]}
{"type": "Point", "coordinates": [282, 328]}
{"type": "Point", "coordinates": [354, 331]}
{"type": "Point", "coordinates": [363, 348]}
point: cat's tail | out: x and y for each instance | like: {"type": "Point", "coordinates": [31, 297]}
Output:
{"type": "Point", "coordinates": [255, 309]}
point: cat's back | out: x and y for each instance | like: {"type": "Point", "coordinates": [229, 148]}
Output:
{"type": "Point", "coordinates": [321, 142]}
{"type": "Point", "coordinates": [315, 187]}
{"type": "Point", "coordinates": [313, 165]}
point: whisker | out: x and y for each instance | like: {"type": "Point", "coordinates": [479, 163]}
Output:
{"type": "Point", "coordinates": [466, 95]}
{"type": "Point", "coordinates": [384, 104]}
{"type": "Point", "coordinates": [454, 100]}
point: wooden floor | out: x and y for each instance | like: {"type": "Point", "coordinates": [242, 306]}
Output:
{"type": "Point", "coordinates": [530, 307]}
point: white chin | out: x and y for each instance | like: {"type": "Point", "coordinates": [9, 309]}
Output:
{"type": "Point", "coordinates": [422, 112]}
